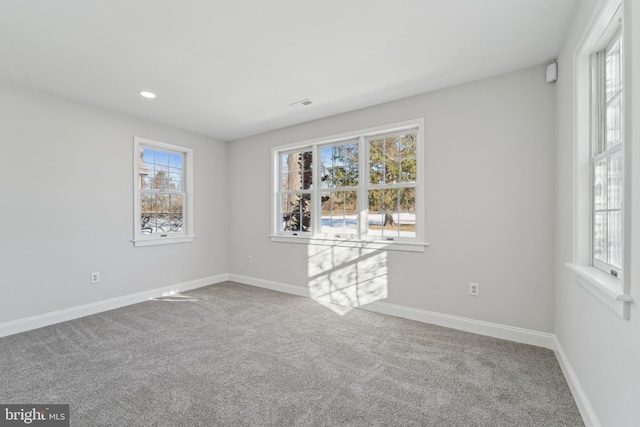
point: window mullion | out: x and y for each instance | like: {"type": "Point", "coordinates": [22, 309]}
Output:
{"type": "Point", "coordinates": [363, 180]}
{"type": "Point", "coordinates": [316, 194]}
{"type": "Point", "coordinates": [334, 157]}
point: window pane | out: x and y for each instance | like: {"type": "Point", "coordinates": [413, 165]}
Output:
{"type": "Point", "coordinates": [339, 165]}
{"type": "Point", "coordinates": [176, 203]}
{"type": "Point", "coordinates": [160, 170]}
{"type": "Point", "coordinates": [163, 203]}
{"type": "Point", "coordinates": [391, 214]}
{"type": "Point", "coordinates": [339, 212]}
{"type": "Point", "coordinates": [376, 173]}
{"type": "Point", "coordinates": [408, 145]}
{"type": "Point", "coordinates": [175, 182]}
{"type": "Point", "coordinates": [376, 150]}
{"type": "Point", "coordinates": [307, 180]}
{"type": "Point", "coordinates": [408, 170]}
{"type": "Point", "coordinates": [613, 70]}
{"type": "Point", "coordinates": [375, 217]}
{"type": "Point", "coordinates": [599, 185]}
{"type": "Point", "coordinates": [613, 122]}
{"type": "Point", "coordinates": [295, 211]}
{"type": "Point", "coordinates": [326, 202]}
{"type": "Point", "coordinates": [161, 159]}
{"type": "Point", "coordinates": [599, 236]}
{"type": "Point", "coordinates": [391, 147]}
{"type": "Point", "coordinates": [392, 171]}
{"type": "Point", "coordinates": [351, 212]}
{"type": "Point", "coordinates": [305, 212]}
{"type": "Point", "coordinates": [351, 154]}
{"type": "Point", "coordinates": [295, 171]}
{"type": "Point", "coordinates": [147, 202]}
{"type": "Point", "coordinates": [291, 181]}
{"type": "Point", "coordinates": [327, 178]}
{"type": "Point", "coordinates": [284, 163]}
{"type": "Point", "coordinates": [407, 212]}
{"type": "Point", "coordinates": [151, 225]}
{"type": "Point", "coordinates": [614, 182]}
{"type": "Point", "coordinates": [175, 162]}
{"type": "Point", "coordinates": [615, 238]}
{"type": "Point", "coordinates": [176, 223]}
{"type": "Point", "coordinates": [384, 213]}
{"type": "Point", "coordinates": [339, 176]}
{"type": "Point", "coordinates": [287, 203]}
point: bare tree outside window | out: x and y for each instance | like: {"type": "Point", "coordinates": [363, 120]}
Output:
{"type": "Point", "coordinates": [161, 191]}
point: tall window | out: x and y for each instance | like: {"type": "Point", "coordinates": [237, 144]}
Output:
{"type": "Point", "coordinates": [296, 182]}
{"type": "Point", "coordinates": [392, 184]}
{"type": "Point", "coordinates": [339, 178]}
{"type": "Point", "coordinates": [599, 162]}
{"type": "Point", "coordinates": [162, 193]}
{"type": "Point", "coordinates": [360, 186]}
{"type": "Point", "coordinates": [607, 154]}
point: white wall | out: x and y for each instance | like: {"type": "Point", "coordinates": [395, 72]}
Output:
{"type": "Point", "coordinates": [489, 202]}
{"type": "Point", "coordinates": [67, 206]}
{"type": "Point", "coordinates": [602, 348]}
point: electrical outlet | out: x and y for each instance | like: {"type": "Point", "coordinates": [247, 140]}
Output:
{"type": "Point", "coordinates": [474, 289]}
{"type": "Point", "coordinates": [250, 259]}
{"type": "Point", "coordinates": [95, 277]}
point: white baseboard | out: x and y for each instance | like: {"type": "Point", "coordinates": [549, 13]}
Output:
{"type": "Point", "coordinates": [270, 284]}
{"type": "Point", "coordinates": [46, 319]}
{"type": "Point", "coordinates": [584, 406]}
{"type": "Point", "coordinates": [525, 336]}
{"type": "Point", "coordinates": [495, 330]}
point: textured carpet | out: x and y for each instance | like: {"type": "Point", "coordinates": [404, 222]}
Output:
{"type": "Point", "coordinates": [237, 355]}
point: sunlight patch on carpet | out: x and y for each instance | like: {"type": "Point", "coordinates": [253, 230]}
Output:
{"type": "Point", "coordinates": [343, 278]}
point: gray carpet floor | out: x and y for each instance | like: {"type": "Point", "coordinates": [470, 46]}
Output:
{"type": "Point", "coordinates": [236, 355]}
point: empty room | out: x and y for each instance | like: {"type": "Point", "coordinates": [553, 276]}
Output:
{"type": "Point", "coordinates": [320, 213]}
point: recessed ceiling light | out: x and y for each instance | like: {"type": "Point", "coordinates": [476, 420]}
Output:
{"type": "Point", "coordinates": [146, 94]}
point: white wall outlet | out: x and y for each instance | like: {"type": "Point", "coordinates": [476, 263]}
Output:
{"type": "Point", "coordinates": [474, 289]}
{"type": "Point", "coordinates": [250, 259]}
{"type": "Point", "coordinates": [95, 277]}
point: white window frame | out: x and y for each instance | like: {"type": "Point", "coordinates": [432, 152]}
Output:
{"type": "Point", "coordinates": [612, 291]}
{"type": "Point", "coordinates": [599, 151]}
{"type": "Point", "coordinates": [140, 239]}
{"type": "Point", "coordinates": [416, 244]}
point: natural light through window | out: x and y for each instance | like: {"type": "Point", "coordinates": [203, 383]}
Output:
{"type": "Point", "coordinates": [342, 278]}
{"type": "Point", "coordinates": [608, 108]}
{"type": "Point", "coordinates": [363, 186]}
{"type": "Point", "coordinates": [392, 185]}
{"type": "Point", "coordinates": [162, 188]}
{"type": "Point", "coordinates": [600, 176]}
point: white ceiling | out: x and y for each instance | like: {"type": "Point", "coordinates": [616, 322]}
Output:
{"type": "Point", "coordinates": [230, 69]}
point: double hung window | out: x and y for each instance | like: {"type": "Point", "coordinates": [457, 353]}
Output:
{"type": "Point", "coordinates": [607, 101]}
{"type": "Point", "coordinates": [601, 179]}
{"type": "Point", "coordinates": [362, 186]}
{"type": "Point", "coordinates": [163, 196]}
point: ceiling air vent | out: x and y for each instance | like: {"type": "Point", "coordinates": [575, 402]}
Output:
{"type": "Point", "coordinates": [305, 101]}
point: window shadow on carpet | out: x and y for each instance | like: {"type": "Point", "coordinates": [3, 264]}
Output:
{"type": "Point", "coordinates": [344, 278]}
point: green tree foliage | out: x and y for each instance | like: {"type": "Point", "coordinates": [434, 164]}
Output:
{"type": "Point", "coordinates": [297, 207]}
{"type": "Point", "coordinates": [339, 169]}
{"type": "Point", "coordinates": [392, 160]}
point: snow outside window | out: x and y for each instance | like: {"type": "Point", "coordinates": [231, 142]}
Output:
{"type": "Point", "coordinates": [607, 157]}
{"type": "Point", "coordinates": [163, 199]}
{"type": "Point", "coordinates": [360, 186]}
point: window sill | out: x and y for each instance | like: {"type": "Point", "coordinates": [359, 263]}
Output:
{"type": "Point", "coordinates": [163, 241]}
{"type": "Point", "coordinates": [604, 287]}
{"type": "Point", "coordinates": [358, 244]}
